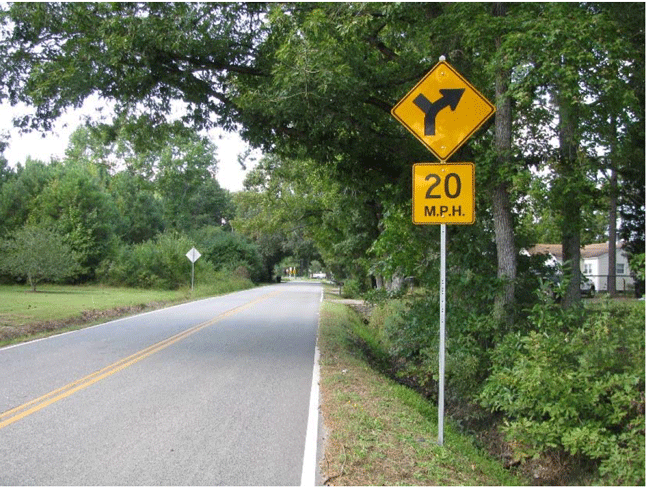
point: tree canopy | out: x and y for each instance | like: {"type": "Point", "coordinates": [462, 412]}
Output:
{"type": "Point", "coordinates": [316, 82]}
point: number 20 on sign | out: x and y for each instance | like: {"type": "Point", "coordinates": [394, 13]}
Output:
{"type": "Point", "coordinates": [443, 193]}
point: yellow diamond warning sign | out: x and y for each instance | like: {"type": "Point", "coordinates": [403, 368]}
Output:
{"type": "Point", "coordinates": [443, 193]}
{"type": "Point", "coordinates": [443, 110]}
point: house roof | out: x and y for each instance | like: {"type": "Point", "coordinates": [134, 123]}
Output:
{"type": "Point", "coordinates": [553, 249]}
{"type": "Point", "coordinates": [588, 251]}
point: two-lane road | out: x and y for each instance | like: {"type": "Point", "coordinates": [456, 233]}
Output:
{"type": "Point", "coordinates": [213, 392]}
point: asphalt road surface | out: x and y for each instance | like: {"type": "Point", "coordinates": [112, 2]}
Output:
{"type": "Point", "coordinates": [213, 392]}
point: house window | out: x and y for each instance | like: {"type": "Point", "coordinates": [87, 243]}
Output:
{"type": "Point", "coordinates": [589, 269]}
{"type": "Point", "coordinates": [620, 268]}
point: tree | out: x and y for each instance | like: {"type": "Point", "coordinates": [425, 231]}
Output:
{"type": "Point", "coordinates": [210, 205]}
{"type": "Point", "coordinates": [166, 165]}
{"type": "Point", "coordinates": [184, 176]}
{"type": "Point", "coordinates": [57, 54]}
{"type": "Point", "coordinates": [18, 194]}
{"type": "Point", "coordinates": [229, 251]}
{"type": "Point", "coordinates": [298, 201]}
{"type": "Point", "coordinates": [568, 59]}
{"type": "Point", "coordinates": [77, 205]}
{"type": "Point", "coordinates": [5, 171]}
{"type": "Point", "coordinates": [618, 115]}
{"type": "Point", "coordinates": [303, 79]}
{"type": "Point", "coordinates": [38, 254]}
{"type": "Point", "coordinates": [141, 213]}
{"type": "Point", "coordinates": [501, 206]}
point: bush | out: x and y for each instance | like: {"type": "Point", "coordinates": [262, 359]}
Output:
{"type": "Point", "coordinates": [158, 263]}
{"type": "Point", "coordinates": [220, 282]}
{"type": "Point", "coordinates": [576, 384]}
{"type": "Point", "coordinates": [229, 251]}
{"type": "Point", "coordinates": [410, 332]}
{"type": "Point", "coordinates": [351, 288]}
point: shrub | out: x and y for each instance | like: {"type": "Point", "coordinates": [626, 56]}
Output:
{"type": "Point", "coordinates": [410, 332]}
{"type": "Point", "coordinates": [220, 282]}
{"type": "Point", "coordinates": [351, 288]}
{"type": "Point", "coordinates": [158, 263]}
{"type": "Point", "coordinates": [229, 251]}
{"type": "Point", "coordinates": [408, 328]}
{"type": "Point", "coordinates": [386, 311]}
{"type": "Point", "coordinates": [577, 384]}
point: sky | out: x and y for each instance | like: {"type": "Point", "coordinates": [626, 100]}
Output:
{"type": "Point", "coordinates": [45, 146]}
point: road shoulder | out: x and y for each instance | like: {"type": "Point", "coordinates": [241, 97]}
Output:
{"type": "Point", "coordinates": [382, 433]}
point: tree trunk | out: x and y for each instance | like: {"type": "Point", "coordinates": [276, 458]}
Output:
{"type": "Point", "coordinates": [569, 203]}
{"type": "Point", "coordinates": [32, 282]}
{"type": "Point", "coordinates": [613, 208]}
{"type": "Point", "coordinates": [571, 258]}
{"type": "Point", "coordinates": [506, 250]}
{"type": "Point", "coordinates": [380, 282]}
{"type": "Point", "coordinates": [501, 207]}
{"type": "Point", "coordinates": [613, 199]}
{"type": "Point", "coordinates": [396, 283]}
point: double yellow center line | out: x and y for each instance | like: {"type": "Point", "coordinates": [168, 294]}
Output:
{"type": "Point", "coordinates": [15, 414]}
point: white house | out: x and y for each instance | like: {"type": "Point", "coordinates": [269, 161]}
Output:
{"type": "Point", "coordinates": [594, 263]}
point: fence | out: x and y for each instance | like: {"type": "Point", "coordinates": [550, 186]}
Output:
{"type": "Point", "coordinates": [623, 282]}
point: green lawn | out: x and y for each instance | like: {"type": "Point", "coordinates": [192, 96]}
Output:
{"type": "Point", "coordinates": [53, 308]}
{"type": "Point", "coordinates": [20, 306]}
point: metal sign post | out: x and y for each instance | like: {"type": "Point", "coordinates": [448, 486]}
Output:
{"type": "Point", "coordinates": [442, 111]}
{"type": "Point", "coordinates": [441, 353]}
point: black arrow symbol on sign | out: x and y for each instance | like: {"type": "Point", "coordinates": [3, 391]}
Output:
{"type": "Point", "coordinates": [450, 98]}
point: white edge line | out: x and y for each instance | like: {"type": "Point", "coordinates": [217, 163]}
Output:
{"type": "Point", "coordinates": [311, 439]}
{"type": "Point", "coordinates": [309, 458]}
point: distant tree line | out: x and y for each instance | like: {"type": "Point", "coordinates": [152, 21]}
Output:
{"type": "Point", "coordinates": [117, 212]}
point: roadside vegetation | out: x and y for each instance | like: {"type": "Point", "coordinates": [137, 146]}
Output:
{"type": "Point", "coordinates": [560, 398]}
{"type": "Point", "coordinates": [81, 220]}
{"type": "Point", "coordinates": [384, 433]}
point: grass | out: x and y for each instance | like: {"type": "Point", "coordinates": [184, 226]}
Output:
{"type": "Point", "coordinates": [382, 433]}
{"type": "Point", "coordinates": [20, 306]}
{"type": "Point", "coordinates": [57, 308]}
